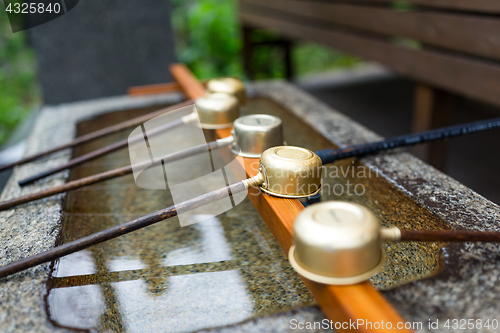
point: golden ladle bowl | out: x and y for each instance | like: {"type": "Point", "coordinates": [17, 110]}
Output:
{"type": "Point", "coordinates": [337, 242]}
{"type": "Point", "coordinates": [228, 85]}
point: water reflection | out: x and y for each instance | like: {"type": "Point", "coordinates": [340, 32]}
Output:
{"type": "Point", "coordinates": [220, 271]}
{"type": "Point", "coordinates": [79, 263]}
{"type": "Point", "coordinates": [193, 302]}
{"type": "Point", "coordinates": [223, 278]}
{"type": "Point", "coordinates": [124, 264]}
{"type": "Point", "coordinates": [80, 306]}
{"type": "Point", "coordinates": [212, 245]}
{"type": "Point", "coordinates": [77, 307]}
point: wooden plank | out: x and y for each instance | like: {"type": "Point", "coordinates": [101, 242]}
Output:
{"type": "Point", "coordinates": [152, 89]}
{"type": "Point", "coordinates": [160, 88]}
{"type": "Point", "coordinates": [342, 304]}
{"type": "Point", "coordinates": [247, 52]}
{"type": "Point", "coordinates": [339, 303]}
{"type": "Point", "coordinates": [186, 80]}
{"type": "Point", "coordinates": [472, 34]}
{"type": "Point", "coordinates": [472, 78]}
{"type": "Point", "coordinates": [480, 6]}
{"type": "Point", "coordinates": [433, 109]}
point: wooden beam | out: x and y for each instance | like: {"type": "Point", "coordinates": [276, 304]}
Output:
{"type": "Point", "coordinates": [160, 88]}
{"type": "Point", "coordinates": [472, 78]}
{"type": "Point", "coordinates": [433, 109]}
{"type": "Point", "coordinates": [339, 303]}
{"type": "Point", "coordinates": [187, 81]}
{"type": "Point", "coordinates": [247, 52]}
{"type": "Point", "coordinates": [479, 6]}
{"type": "Point", "coordinates": [472, 34]}
{"type": "Point", "coordinates": [152, 89]}
{"type": "Point", "coordinates": [342, 304]}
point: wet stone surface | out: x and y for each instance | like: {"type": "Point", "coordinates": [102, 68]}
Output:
{"type": "Point", "coordinates": [465, 283]}
{"type": "Point", "coordinates": [227, 273]}
{"type": "Point", "coordinates": [215, 273]}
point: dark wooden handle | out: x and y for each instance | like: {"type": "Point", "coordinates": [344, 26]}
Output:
{"type": "Point", "coordinates": [98, 134]}
{"type": "Point", "coordinates": [100, 152]}
{"type": "Point", "coordinates": [449, 236]}
{"type": "Point", "coordinates": [106, 175]}
{"type": "Point", "coordinates": [332, 155]}
{"type": "Point", "coordinates": [119, 230]}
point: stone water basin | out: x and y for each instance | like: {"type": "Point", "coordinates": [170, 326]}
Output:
{"type": "Point", "coordinates": [219, 272]}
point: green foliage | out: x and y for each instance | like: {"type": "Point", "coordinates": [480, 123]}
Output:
{"type": "Point", "coordinates": [209, 42]}
{"type": "Point", "coordinates": [313, 58]}
{"type": "Point", "coordinates": [18, 90]}
{"type": "Point", "coordinates": [403, 6]}
{"type": "Point", "coordinates": [207, 36]}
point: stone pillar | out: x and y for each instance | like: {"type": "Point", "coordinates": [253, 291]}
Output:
{"type": "Point", "coordinates": [100, 48]}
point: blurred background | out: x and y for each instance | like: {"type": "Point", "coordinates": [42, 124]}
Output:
{"type": "Point", "coordinates": [207, 38]}
{"type": "Point", "coordinates": [39, 66]}
{"type": "Point", "coordinates": [19, 91]}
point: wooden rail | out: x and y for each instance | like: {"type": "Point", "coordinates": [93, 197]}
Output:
{"type": "Point", "coordinates": [479, 6]}
{"type": "Point", "coordinates": [339, 303]}
{"type": "Point", "coordinates": [152, 89]}
{"type": "Point", "coordinates": [449, 47]}
{"type": "Point", "coordinates": [467, 33]}
{"type": "Point", "coordinates": [160, 88]}
{"type": "Point", "coordinates": [473, 78]}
